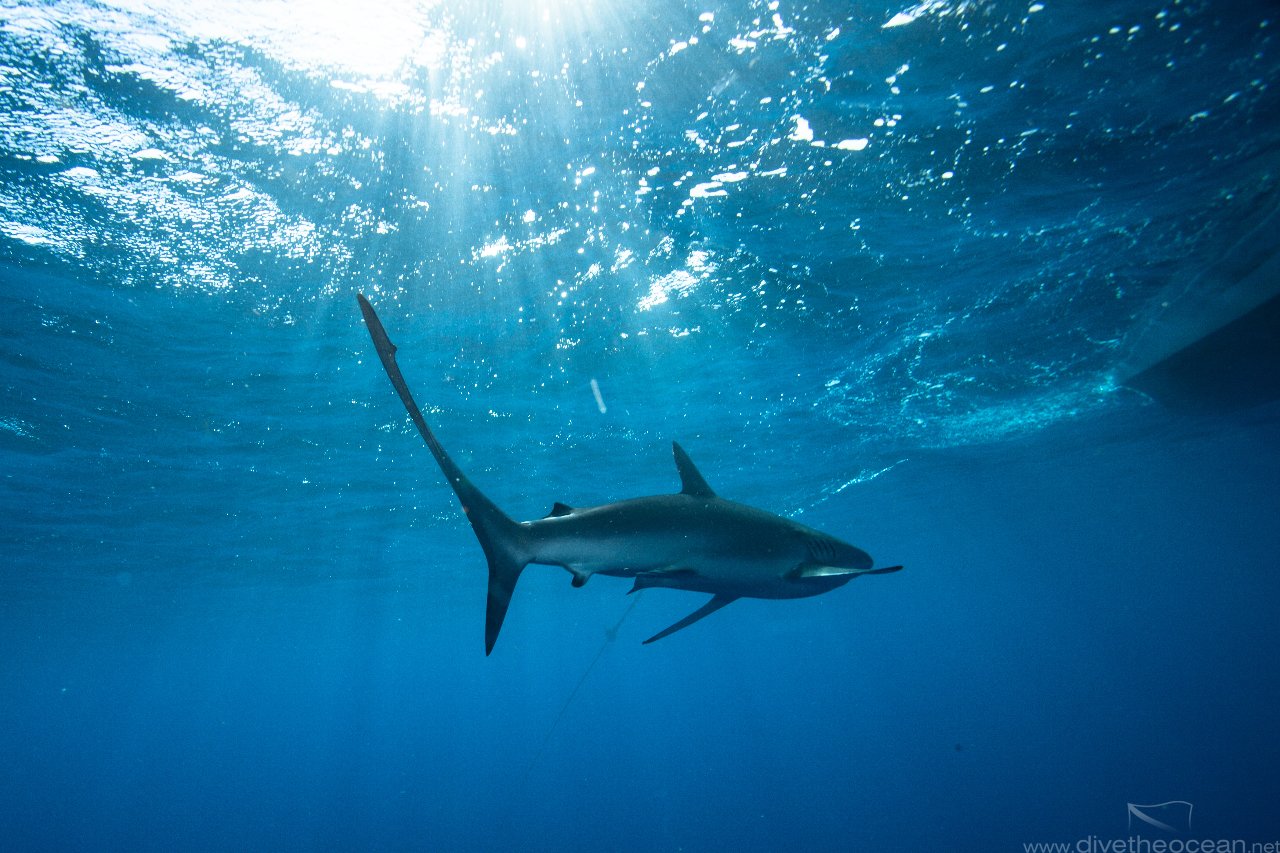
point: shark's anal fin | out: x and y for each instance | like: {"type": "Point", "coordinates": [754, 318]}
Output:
{"type": "Point", "coordinates": [691, 482]}
{"type": "Point", "coordinates": [558, 509]}
{"type": "Point", "coordinates": [707, 609]}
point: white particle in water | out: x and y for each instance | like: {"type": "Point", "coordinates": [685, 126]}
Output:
{"type": "Point", "coordinates": [803, 132]}
{"type": "Point", "coordinates": [710, 189]}
{"type": "Point", "coordinates": [595, 392]}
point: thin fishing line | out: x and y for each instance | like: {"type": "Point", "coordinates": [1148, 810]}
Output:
{"type": "Point", "coordinates": [609, 636]}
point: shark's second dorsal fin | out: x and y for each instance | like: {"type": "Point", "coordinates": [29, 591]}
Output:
{"type": "Point", "coordinates": [691, 482]}
{"type": "Point", "coordinates": [558, 509]}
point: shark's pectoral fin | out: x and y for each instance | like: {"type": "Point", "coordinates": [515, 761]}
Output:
{"type": "Point", "coordinates": [707, 609]}
{"type": "Point", "coordinates": [818, 571]}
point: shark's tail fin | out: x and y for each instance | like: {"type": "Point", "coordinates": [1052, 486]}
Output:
{"type": "Point", "coordinates": [504, 547]}
{"type": "Point", "coordinates": [501, 538]}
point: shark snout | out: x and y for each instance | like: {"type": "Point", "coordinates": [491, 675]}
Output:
{"type": "Point", "coordinates": [859, 559]}
{"type": "Point", "coordinates": [833, 553]}
{"type": "Point", "coordinates": [851, 557]}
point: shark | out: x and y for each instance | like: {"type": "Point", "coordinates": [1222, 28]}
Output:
{"type": "Point", "coordinates": [692, 540]}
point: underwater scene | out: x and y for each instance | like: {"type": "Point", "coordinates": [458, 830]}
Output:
{"type": "Point", "coordinates": [344, 345]}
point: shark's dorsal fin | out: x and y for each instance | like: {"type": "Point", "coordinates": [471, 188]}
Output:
{"type": "Point", "coordinates": [558, 509]}
{"type": "Point", "coordinates": [691, 482]}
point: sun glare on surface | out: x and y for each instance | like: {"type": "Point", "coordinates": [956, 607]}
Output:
{"type": "Point", "coordinates": [372, 40]}
{"type": "Point", "coordinates": [378, 46]}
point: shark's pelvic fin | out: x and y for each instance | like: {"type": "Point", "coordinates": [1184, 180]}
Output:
{"type": "Point", "coordinates": [691, 482]}
{"type": "Point", "coordinates": [707, 609]}
{"type": "Point", "coordinates": [500, 537]}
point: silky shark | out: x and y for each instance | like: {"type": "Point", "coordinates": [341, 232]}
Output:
{"type": "Point", "coordinates": [693, 540]}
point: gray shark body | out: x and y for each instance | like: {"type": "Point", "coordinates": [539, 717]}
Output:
{"type": "Point", "coordinates": [693, 540]}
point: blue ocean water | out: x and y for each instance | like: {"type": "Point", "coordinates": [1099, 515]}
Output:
{"type": "Point", "coordinates": [884, 269]}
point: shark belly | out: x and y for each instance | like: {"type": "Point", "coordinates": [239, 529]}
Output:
{"type": "Point", "coordinates": [740, 586]}
{"type": "Point", "coordinates": [681, 542]}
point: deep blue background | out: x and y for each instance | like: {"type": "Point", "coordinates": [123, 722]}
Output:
{"type": "Point", "coordinates": [239, 608]}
